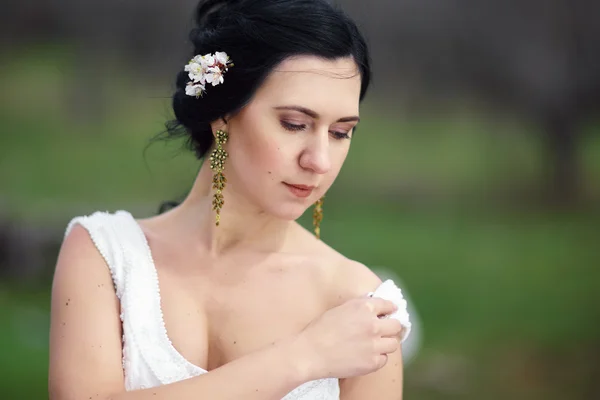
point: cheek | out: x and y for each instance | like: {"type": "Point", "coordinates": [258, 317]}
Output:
{"type": "Point", "coordinates": [337, 160]}
{"type": "Point", "coordinates": [260, 154]}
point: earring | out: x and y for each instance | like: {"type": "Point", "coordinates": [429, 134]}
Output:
{"type": "Point", "coordinates": [318, 217]}
{"type": "Point", "coordinates": [217, 162]}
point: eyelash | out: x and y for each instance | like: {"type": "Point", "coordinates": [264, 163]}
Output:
{"type": "Point", "coordinates": [294, 128]}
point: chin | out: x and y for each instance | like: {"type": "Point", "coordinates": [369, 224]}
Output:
{"type": "Point", "coordinates": [289, 212]}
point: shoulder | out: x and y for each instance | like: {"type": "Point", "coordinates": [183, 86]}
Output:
{"type": "Point", "coordinates": [77, 248]}
{"type": "Point", "coordinates": [79, 258]}
{"type": "Point", "coordinates": [86, 245]}
{"type": "Point", "coordinates": [352, 279]}
{"type": "Point", "coordinates": [97, 241]}
{"type": "Point", "coordinates": [80, 238]}
{"type": "Point", "coordinates": [81, 265]}
{"type": "Point", "coordinates": [96, 220]}
{"type": "Point", "coordinates": [345, 278]}
{"type": "Point", "coordinates": [92, 232]}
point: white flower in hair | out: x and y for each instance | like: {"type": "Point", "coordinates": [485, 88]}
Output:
{"type": "Point", "coordinates": [207, 68]}
{"type": "Point", "coordinates": [194, 90]}
{"type": "Point", "coordinates": [195, 71]}
{"type": "Point", "coordinates": [222, 58]}
{"type": "Point", "coordinates": [214, 76]}
{"type": "Point", "coordinates": [208, 60]}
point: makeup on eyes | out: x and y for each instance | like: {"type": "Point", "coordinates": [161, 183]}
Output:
{"type": "Point", "coordinates": [291, 119]}
{"type": "Point", "coordinates": [298, 126]}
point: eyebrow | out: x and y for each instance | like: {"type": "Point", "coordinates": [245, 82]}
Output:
{"type": "Point", "coordinates": [314, 114]}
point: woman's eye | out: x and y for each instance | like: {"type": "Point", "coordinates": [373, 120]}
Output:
{"type": "Point", "coordinates": [340, 135]}
{"type": "Point", "coordinates": [292, 127]}
{"type": "Point", "coordinates": [300, 127]}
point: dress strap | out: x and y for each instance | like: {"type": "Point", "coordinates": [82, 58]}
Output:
{"type": "Point", "coordinates": [108, 233]}
{"type": "Point", "coordinates": [148, 353]}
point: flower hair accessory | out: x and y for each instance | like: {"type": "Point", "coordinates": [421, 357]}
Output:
{"type": "Point", "coordinates": [208, 68]}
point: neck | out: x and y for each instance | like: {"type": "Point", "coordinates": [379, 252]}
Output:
{"type": "Point", "coordinates": [242, 225]}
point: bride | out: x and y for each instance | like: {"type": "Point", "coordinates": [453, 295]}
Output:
{"type": "Point", "coordinates": [225, 296]}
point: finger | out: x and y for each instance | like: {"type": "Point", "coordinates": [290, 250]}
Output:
{"type": "Point", "coordinates": [381, 306]}
{"type": "Point", "coordinates": [386, 345]}
{"type": "Point", "coordinates": [380, 361]}
{"type": "Point", "coordinates": [389, 327]}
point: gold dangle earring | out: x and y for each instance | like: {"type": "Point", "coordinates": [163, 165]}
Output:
{"type": "Point", "coordinates": [217, 163]}
{"type": "Point", "coordinates": [318, 217]}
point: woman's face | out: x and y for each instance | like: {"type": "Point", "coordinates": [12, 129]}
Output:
{"type": "Point", "coordinates": [286, 147]}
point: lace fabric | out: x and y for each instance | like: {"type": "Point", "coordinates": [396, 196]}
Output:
{"type": "Point", "coordinates": [149, 357]}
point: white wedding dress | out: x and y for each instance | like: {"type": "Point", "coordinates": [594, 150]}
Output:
{"type": "Point", "coordinates": [149, 357]}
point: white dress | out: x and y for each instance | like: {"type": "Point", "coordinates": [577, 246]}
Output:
{"type": "Point", "coordinates": [149, 357]}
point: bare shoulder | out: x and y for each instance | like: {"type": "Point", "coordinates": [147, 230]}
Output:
{"type": "Point", "coordinates": [352, 279]}
{"type": "Point", "coordinates": [77, 245]}
{"type": "Point", "coordinates": [81, 264]}
{"type": "Point", "coordinates": [346, 278]}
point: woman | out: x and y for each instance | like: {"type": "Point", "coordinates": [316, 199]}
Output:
{"type": "Point", "coordinates": [251, 305]}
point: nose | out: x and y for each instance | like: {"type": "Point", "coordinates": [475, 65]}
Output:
{"type": "Point", "coordinates": [315, 156]}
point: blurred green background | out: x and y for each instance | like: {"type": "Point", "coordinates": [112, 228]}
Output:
{"type": "Point", "coordinates": [486, 205]}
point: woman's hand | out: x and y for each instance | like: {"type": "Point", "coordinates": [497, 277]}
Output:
{"type": "Point", "coordinates": [350, 339]}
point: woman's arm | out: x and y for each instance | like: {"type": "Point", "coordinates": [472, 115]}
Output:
{"type": "Point", "coordinates": [384, 384]}
{"type": "Point", "coordinates": [86, 353]}
{"type": "Point", "coordinates": [354, 280]}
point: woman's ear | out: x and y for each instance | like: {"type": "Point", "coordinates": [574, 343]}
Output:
{"type": "Point", "coordinates": [219, 125]}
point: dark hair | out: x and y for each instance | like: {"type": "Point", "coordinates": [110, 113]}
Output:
{"type": "Point", "coordinates": [258, 35]}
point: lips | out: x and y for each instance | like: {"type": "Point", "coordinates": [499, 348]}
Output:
{"type": "Point", "coordinates": [299, 190]}
{"type": "Point", "coordinates": [305, 187]}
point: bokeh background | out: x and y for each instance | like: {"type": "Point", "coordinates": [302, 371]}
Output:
{"type": "Point", "coordinates": [474, 176]}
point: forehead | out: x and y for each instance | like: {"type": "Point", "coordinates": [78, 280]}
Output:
{"type": "Point", "coordinates": [326, 86]}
